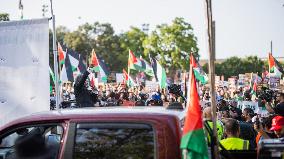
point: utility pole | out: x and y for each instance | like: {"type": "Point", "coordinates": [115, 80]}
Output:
{"type": "Point", "coordinates": [55, 57]}
{"type": "Point", "coordinates": [44, 9]}
{"type": "Point", "coordinates": [211, 65]}
{"type": "Point", "coordinates": [21, 8]}
{"type": "Point", "coordinates": [214, 40]}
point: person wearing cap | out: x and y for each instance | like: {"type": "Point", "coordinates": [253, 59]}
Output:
{"type": "Point", "coordinates": [278, 126]}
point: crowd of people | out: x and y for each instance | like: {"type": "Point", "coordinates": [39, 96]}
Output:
{"type": "Point", "coordinates": [237, 128]}
{"type": "Point", "coordinates": [244, 128]}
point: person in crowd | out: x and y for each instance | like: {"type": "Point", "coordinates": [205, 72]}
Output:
{"type": "Point", "coordinates": [248, 114]}
{"type": "Point", "coordinates": [279, 108]}
{"type": "Point", "coordinates": [83, 92]}
{"type": "Point", "coordinates": [235, 113]}
{"type": "Point", "coordinates": [207, 116]}
{"type": "Point", "coordinates": [263, 128]}
{"type": "Point", "coordinates": [232, 133]}
{"type": "Point", "coordinates": [154, 100]}
{"type": "Point", "coordinates": [278, 126]}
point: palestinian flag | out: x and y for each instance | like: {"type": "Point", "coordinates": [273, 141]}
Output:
{"type": "Point", "coordinates": [61, 54]}
{"type": "Point", "coordinates": [193, 137]}
{"type": "Point", "coordinates": [74, 63]}
{"type": "Point", "coordinates": [198, 71]}
{"type": "Point", "coordinates": [99, 66]}
{"type": "Point", "coordinates": [103, 71]}
{"type": "Point", "coordinates": [95, 62]}
{"type": "Point", "coordinates": [146, 67]}
{"type": "Point", "coordinates": [77, 61]}
{"type": "Point", "coordinates": [52, 75]}
{"type": "Point", "coordinates": [93, 80]}
{"type": "Point", "coordinates": [254, 88]}
{"type": "Point", "coordinates": [82, 64]}
{"type": "Point", "coordinates": [159, 72]}
{"type": "Point", "coordinates": [128, 80]}
{"type": "Point", "coordinates": [53, 79]}
{"type": "Point", "coordinates": [132, 61]}
{"type": "Point", "coordinates": [275, 68]}
{"type": "Point", "coordinates": [66, 73]}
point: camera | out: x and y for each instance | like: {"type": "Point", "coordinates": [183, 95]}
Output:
{"type": "Point", "coordinates": [266, 94]}
{"type": "Point", "coordinates": [247, 95]}
{"type": "Point", "coordinates": [175, 89]}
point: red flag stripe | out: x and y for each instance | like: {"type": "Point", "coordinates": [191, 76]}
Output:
{"type": "Point", "coordinates": [132, 59]}
{"type": "Point", "coordinates": [95, 61]}
{"type": "Point", "coordinates": [60, 52]}
{"type": "Point", "coordinates": [193, 120]}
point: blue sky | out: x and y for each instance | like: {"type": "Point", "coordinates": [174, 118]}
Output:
{"type": "Point", "coordinates": [243, 27]}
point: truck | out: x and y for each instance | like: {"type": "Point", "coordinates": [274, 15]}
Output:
{"type": "Point", "coordinates": [103, 133]}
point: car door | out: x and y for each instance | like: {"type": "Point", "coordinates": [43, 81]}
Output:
{"type": "Point", "coordinates": [32, 141]}
{"type": "Point", "coordinates": [110, 139]}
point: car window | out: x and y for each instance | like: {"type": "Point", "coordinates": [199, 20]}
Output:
{"type": "Point", "coordinates": [114, 140]}
{"type": "Point", "coordinates": [37, 141]}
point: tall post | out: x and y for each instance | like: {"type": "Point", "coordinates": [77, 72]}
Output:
{"type": "Point", "coordinates": [214, 40]}
{"type": "Point", "coordinates": [21, 8]}
{"type": "Point", "coordinates": [212, 77]}
{"type": "Point", "coordinates": [55, 57]}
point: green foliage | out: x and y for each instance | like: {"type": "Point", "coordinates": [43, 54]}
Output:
{"type": "Point", "coordinates": [81, 39]}
{"type": "Point", "coordinates": [4, 17]}
{"type": "Point", "coordinates": [234, 66]}
{"type": "Point", "coordinates": [169, 43]}
{"type": "Point", "coordinates": [107, 46]}
{"type": "Point", "coordinates": [172, 44]}
{"type": "Point", "coordinates": [133, 40]}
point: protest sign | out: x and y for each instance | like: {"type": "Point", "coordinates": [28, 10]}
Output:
{"type": "Point", "coordinates": [119, 77]}
{"type": "Point", "coordinates": [248, 104]}
{"type": "Point", "coordinates": [151, 85]}
{"type": "Point", "coordinates": [274, 82]}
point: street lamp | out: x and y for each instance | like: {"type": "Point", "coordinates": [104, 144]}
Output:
{"type": "Point", "coordinates": [145, 28]}
{"type": "Point", "coordinates": [44, 9]}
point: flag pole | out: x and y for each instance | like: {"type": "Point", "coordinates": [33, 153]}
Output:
{"type": "Point", "coordinates": [269, 70]}
{"type": "Point", "coordinates": [55, 56]}
{"type": "Point", "coordinates": [128, 70]}
{"type": "Point", "coordinates": [212, 77]}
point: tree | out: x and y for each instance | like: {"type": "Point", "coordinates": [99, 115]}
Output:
{"type": "Point", "coordinates": [253, 64]}
{"type": "Point", "coordinates": [107, 46]}
{"type": "Point", "coordinates": [234, 66]}
{"type": "Point", "coordinates": [172, 44]}
{"type": "Point", "coordinates": [4, 17]}
{"type": "Point", "coordinates": [61, 31]}
{"type": "Point", "coordinates": [81, 40]}
{"type": "Point", "coordinates": [133, 40]}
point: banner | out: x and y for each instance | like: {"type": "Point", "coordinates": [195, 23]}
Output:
{"type": "Point", "coordinates": [274, 82]}
{"type": "Point", "coordinates": [24, 68]}
{"type": "Point", "coordinates": [119, 77]}
{"type": "Point", "coordinates": [151, 85]}
{"type": "Point", "coordinates": [248, 104]}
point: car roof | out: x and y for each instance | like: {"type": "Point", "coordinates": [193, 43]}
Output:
{"type": "Point", "coordinates": [111, 110]}
{"type": "Point", "coordinates": [66, 114]}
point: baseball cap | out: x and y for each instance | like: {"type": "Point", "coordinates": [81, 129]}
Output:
{"type": "Point", "coordinates": [277, 123]}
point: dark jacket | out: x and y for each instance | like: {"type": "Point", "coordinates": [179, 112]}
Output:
{"type": "Point", "coordinates": [84, 97]}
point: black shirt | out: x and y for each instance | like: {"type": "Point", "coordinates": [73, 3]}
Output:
{"type": "Point", "coordinates": [279, 109]}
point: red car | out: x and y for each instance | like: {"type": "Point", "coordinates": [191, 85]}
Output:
{"type": "Point", "coordinates": [102, 133]}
